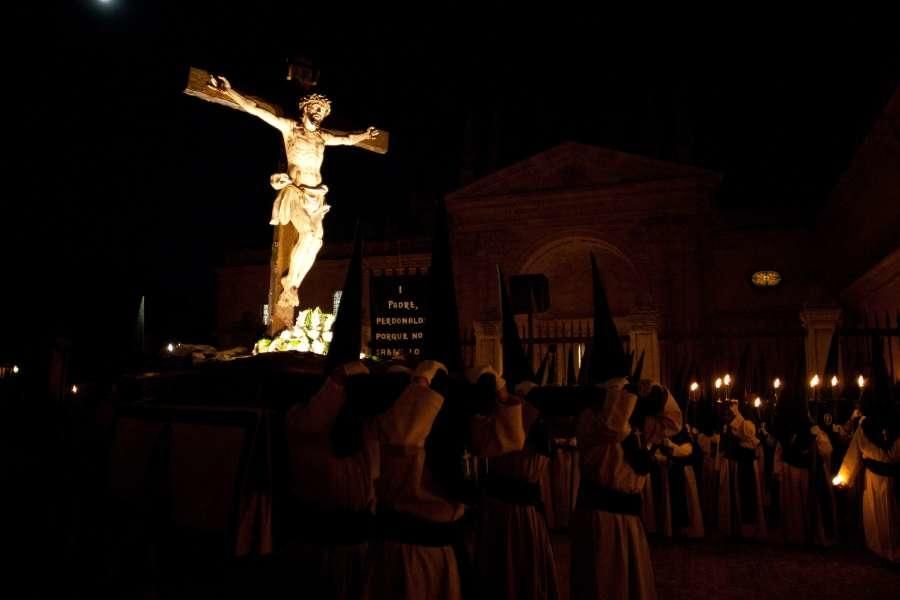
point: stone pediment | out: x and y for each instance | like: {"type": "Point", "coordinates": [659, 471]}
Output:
{"type": "Point", "coordinates": [574, 166]}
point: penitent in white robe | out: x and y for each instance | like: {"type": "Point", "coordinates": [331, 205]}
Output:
{"type": "Point", "coordinates": [881, 513]}
{"type": "Point", "coordinates": [731, 507]}
{"type": "Point", "coordinates": [323, 482]}
{"type": "Point", "coordinates": [610, 556]}
{"type": "Point", "coordinates": [559, 483]}
{"type": "Point", "coordinates": [803, 513]}
{"type": "Point", "coordinates": [709, 492]}
{"type": "Point", "coordinates": [694, 528]}
{"type": "Point", "coordinates": [513, 552]}
{"type": "Point", "coordinates": [402, 570]}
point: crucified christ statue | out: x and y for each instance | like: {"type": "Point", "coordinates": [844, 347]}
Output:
{"type": "Point", "coordinates": [301, 193]}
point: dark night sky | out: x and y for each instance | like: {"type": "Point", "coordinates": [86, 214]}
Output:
{"type": "Point", "coordinates": [134, 188]}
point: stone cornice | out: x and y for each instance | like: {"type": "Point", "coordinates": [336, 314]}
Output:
{"type": "Point", "coordinates": [882, 274]}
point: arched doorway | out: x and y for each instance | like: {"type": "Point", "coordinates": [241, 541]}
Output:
{"type": "Point", "coordinates": [560, 334]}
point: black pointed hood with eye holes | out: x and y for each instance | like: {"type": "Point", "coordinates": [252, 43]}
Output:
{"type": "Point", "coordinates": [516, 367]}
{"type": "Point", "coordinates": [881, 424]}
{"type": "Point", "coordinates": [635, 376]}
{"type": "Point", "coordinates": [607, 355]}
{"type": "Point", "coordinates": [831, 363]}
{"type": "Point", "coordinates": [792, 415]}
{"type": "Point", "coordinates": [442, 326]}
{"type": "Point", "coordinates": [347, 339]}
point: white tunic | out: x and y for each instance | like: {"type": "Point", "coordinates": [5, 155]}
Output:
{"type": "Point", "coordinates": [803, 514]}
{"type": "Point", "coordinates": [411, 571]}
{"type": "Point", "coordinates": [732, 506]}
{"type": "Point", "coordinates": [514, 555]}
{"type": "Point", "coordinates": [610, 556]}
{"type": "Point", "coordinates": [881, 514]}
{"type": "Point", "coordinates": [325, 482]}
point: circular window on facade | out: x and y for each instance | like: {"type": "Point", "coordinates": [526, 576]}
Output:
{"type": "Point", "coordinates": [766, 279]}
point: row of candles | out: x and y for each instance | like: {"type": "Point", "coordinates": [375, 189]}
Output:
{"type": "Point", "coordinates": [725, 382]}
{"type": "Point", "coordinates": [814, 383]}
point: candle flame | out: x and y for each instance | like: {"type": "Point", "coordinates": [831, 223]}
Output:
{"type": "Point", "coordinates": [838, 480]}
{"type": "Point", "coordinates": [695, 386]}
{"type": "Point", "coordinates": [834, 381]}
{"type": "Point", "coordinates": [758, 402]}
{"type": "Point", "coordinates": [777, 383]}
{"type": "Point", "coordinates": [718, 382]}
{"type": "Point", "coordinates": [861, 381]}
{"type": "Point", "coordinates": [74, 389]}
{"type": "Point", "coordinates": [814, 381]}
{"type": "Point", "coordinates": [727, 379]}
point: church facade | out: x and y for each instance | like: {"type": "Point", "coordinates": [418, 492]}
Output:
{"type": "Point", "coordinates": [679, 272]}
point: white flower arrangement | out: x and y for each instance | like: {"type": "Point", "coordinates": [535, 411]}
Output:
{"type": "Point", "coordinates": [310, 333]}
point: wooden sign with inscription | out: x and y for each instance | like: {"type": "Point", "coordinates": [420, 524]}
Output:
{"type": "Point", "coordinates": [398, 313]}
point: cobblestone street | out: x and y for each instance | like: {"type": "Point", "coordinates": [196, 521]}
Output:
{"type": "Point", "coordinates": [710, 570]}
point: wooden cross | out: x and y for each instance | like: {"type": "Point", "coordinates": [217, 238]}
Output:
{"type": "Point", "coordinates": [198, 86]}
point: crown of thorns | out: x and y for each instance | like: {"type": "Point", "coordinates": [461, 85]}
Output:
{"type": "Point", "coordinates": [315, 99]}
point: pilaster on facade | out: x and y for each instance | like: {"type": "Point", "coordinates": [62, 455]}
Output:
{"type": "Point", "coordinates": [644, 338]}
{"type": "Point", "coordinates": [488, 344]}
{"type": "Point", "coordinates": [820, 324]}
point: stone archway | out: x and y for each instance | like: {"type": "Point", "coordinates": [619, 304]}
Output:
{"type": "Point", "coordinates": [565, 260]}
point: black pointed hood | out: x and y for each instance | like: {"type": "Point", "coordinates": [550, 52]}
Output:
{"type": "Point", "coordinates": [571, 377]}
{"type": "Point", "coordinates": [584, 376]}
{"type": "Point", "coordinates": [831, 363]}
{"type": "Point", "coordinates": [516, 366]}
{"type": "Point", "coordinates": [607, 356]}
{"type": "Point", "coordinates": [638, 370]}
{"type": "Point", "coordinates": [347, 329]}
{"type": "Point", "coordinates": [793, 412]}
{"type": "Point", "coordinates": [881, 378]}
{"type": "Point", "coordinates": [742, 376]}
{"type": "Point", "coordinates": [552, 371]}
{"type": "Point", "coordinates": [881, 425]}
{"type": "Point", "coordinates": [442, 327]}
{"type": "Point", "coordinates": [540, 377]}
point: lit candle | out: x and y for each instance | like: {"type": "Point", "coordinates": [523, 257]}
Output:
{"type": "Point", "coordinates": [834, 381]}
{"type": "Point", "coordinates": [838, 480]}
